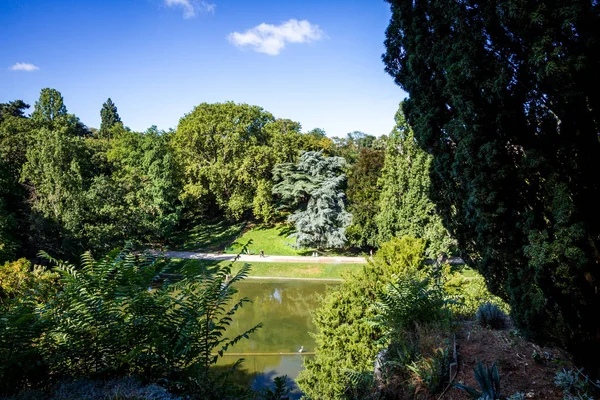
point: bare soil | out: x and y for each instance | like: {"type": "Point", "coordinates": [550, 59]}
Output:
{"type": "Point", "coordinates": [519, 370]}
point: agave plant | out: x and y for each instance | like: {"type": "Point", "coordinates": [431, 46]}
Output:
{"type": "Point", "coordinates": [488, 380]}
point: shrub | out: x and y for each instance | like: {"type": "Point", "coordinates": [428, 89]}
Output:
{"type": "Point", "coordinates": [488, 380]}
{"type": "Point", "coordinates": [470, 292]}
{"type": "Point", "coordinates": [575, 385]}
{"type": "Point", "coordinates": [19, 277]}
{"type": "Point", "coordinates": [490, 316]}
{"type": "Point", "coordinates": [105, 321]}
{"type": "Point", "coordinates": [416, 320]}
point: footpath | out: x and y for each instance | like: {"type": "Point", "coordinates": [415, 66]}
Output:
{"type": "Point", "coordinates": [251, 258]}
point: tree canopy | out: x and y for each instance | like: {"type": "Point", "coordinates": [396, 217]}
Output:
{"type": "Point", "coordinates": [505, 96]}
{"type": "Point", "coordinates": [313, 188]}
{"type": "Point", "coordinates": [404, 204]}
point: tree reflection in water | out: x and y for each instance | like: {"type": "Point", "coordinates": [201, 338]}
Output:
{"type": "Point", "coordinates": [284, 309]}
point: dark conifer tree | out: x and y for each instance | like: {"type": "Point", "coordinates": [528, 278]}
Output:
{"type": "Point", "coordinates": [506, 96]}
{"type": "Point", "coordinates": [110, 117]}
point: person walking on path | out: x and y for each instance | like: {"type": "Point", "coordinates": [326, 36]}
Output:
{"type": "Point", "coordinates": [262, 253]}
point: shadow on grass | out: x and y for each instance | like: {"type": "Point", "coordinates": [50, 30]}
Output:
{"type": "Point", "coordinates": [286, 230]}
{"type": "Point", "coordinates": [212, 236]}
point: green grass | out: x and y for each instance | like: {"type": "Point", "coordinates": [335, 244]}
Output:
{"type": "Point", "coordinates": [280, 270]}
{"type": "Point", "coordinates": [213, 235]}
{"type": "Point", "coordinates": [273, 241]}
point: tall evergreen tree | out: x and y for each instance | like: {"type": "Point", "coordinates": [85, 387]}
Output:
{"type": "Point", "coordinates": [506, 97]}
{"type": "Point", "coordinates": [110, 117]}
{"type": "Point", "coordinates": [363, 197]}
{"type": "Point", "coordinates": [405, 208]}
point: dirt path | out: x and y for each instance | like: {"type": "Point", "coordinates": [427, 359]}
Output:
{"type": "Point", "coordinates": [255, 258]}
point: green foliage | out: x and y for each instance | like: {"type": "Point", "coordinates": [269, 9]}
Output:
{"type": "Point", "coordinates": [416, 319]}
{"type": "Point", "coordinates": [351, 331]}
{"type": "Point", "coordinates": [314, 187]}
{"type": "Point", "coordinates": [430, 374]}
{"type": "Point", "coordinates": [19, 278]}
{"type": "Point", "coordinates": [363, 197]}
{"type": "Point", "coordinates": [345, 339]}
{"type": "Point", "coordinates": [109, 118]}
{"type": "Point", "coordinates": [469, 293]}
{"type": "Point", "coordinates": [14, 108]}
{"type": "Point", "coordinates": [50, 107]}
{"type": "Point", "coordinates": [404, 204]}
{"type": "Point", "coordinates": [56, 171]}
{"type": "Point", "coordinates": [515, 147]}
{"type": "Point", "coordinates": [139, 199]}
{"type": "Point", "coordinates": [106, 321]}
{"type": "Point", "coordinates": [406, 303]}
{"type": "Point", "coordinates": [490, 316]}
{"type": "Point", "coordinates": [488, 380]}
{"type": "Point", "coordinates": [401, 256]}
{"type": "Point", "coordinates": [227, 151]}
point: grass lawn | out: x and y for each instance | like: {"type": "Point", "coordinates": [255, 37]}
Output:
{"type": "Point", "coordinates": [280, 270]}
{"type": "Point", "coordinates": [273, 241]}
{"type": "Point", "coordinates": [209, 235]}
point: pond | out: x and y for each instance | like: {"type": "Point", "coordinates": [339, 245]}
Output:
{"type": "Point", "coordinates": [284, 309]}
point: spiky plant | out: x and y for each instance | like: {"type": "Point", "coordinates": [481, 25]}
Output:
{"type": "Point", "coordinates": [488, 380]}
{"type": "Point", "coordinates": [489, 315]}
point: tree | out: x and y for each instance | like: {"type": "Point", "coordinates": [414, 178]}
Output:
{"type": "Point", "coordinates": [314, 188]}
{"type": "Point", "coordinates": [13, 108]}
{"type": "Point", "coordinates": [50, 107]}
{"type": "Point", "coordinates": [15, 138]}
{"type": "Point", "coordinates": [348, 337]}
{"type": "Point", "coordinates": [363, 197]}
{"type": "Point", "coordinates": [110, 117]}
{"type": "Point", "coordinates": [505, 96]}
{"type": "Point", "coordinates": [227, 151]}
{"type": "Point", "coordinates": [404, 204]}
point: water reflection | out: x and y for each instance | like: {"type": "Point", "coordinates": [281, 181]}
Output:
{"type": "Point", "coordinates": [284, 308]}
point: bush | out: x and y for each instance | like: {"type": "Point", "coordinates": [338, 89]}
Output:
{"type": "Point", "coordinates": [469, 293]}
{"type": "Point", "coordinates": [416, 319]}
{"type": "Point", "coordinates": [490, 316]}
{"type": "Point", "coordinates": [575, 385]}
{"type": "Point", "coordinates": [349, 336]}
{"type": "Point", "coordinates": [105, 321]}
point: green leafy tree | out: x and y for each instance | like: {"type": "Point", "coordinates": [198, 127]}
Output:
{"type": "Point", "coordinates": [15, 138]}
{"type": "Point", "coordinates": [363, 198]}
{"type": "Point", "coordinates": [314, 189]}
{"type": "Point", "coordinates": [57, 176]}
{"type": "Point", "coordinates": [404, 206]}
{"type": "Point", "coordinates": [505, 97]}
{"type": "Point", "coordinates": [226, 151]}
{"type": "Point", "coordinates": [109, 118]}
{"type": "Point", "coordinates": [50, 107]}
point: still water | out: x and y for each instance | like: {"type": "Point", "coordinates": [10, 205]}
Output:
{"type": "Point", "coordinates": [284, 309]}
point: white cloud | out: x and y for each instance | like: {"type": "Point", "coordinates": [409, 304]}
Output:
{"type": "Point", "coordinates": [24, 67]}
{"type": "Point", "coordinates": [271, 39]}
{"type": "Point", "coordinates": [191, 6]}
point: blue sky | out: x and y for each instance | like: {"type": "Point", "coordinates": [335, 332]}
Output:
{"type": "Point", "coordinates": [316, 62]}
